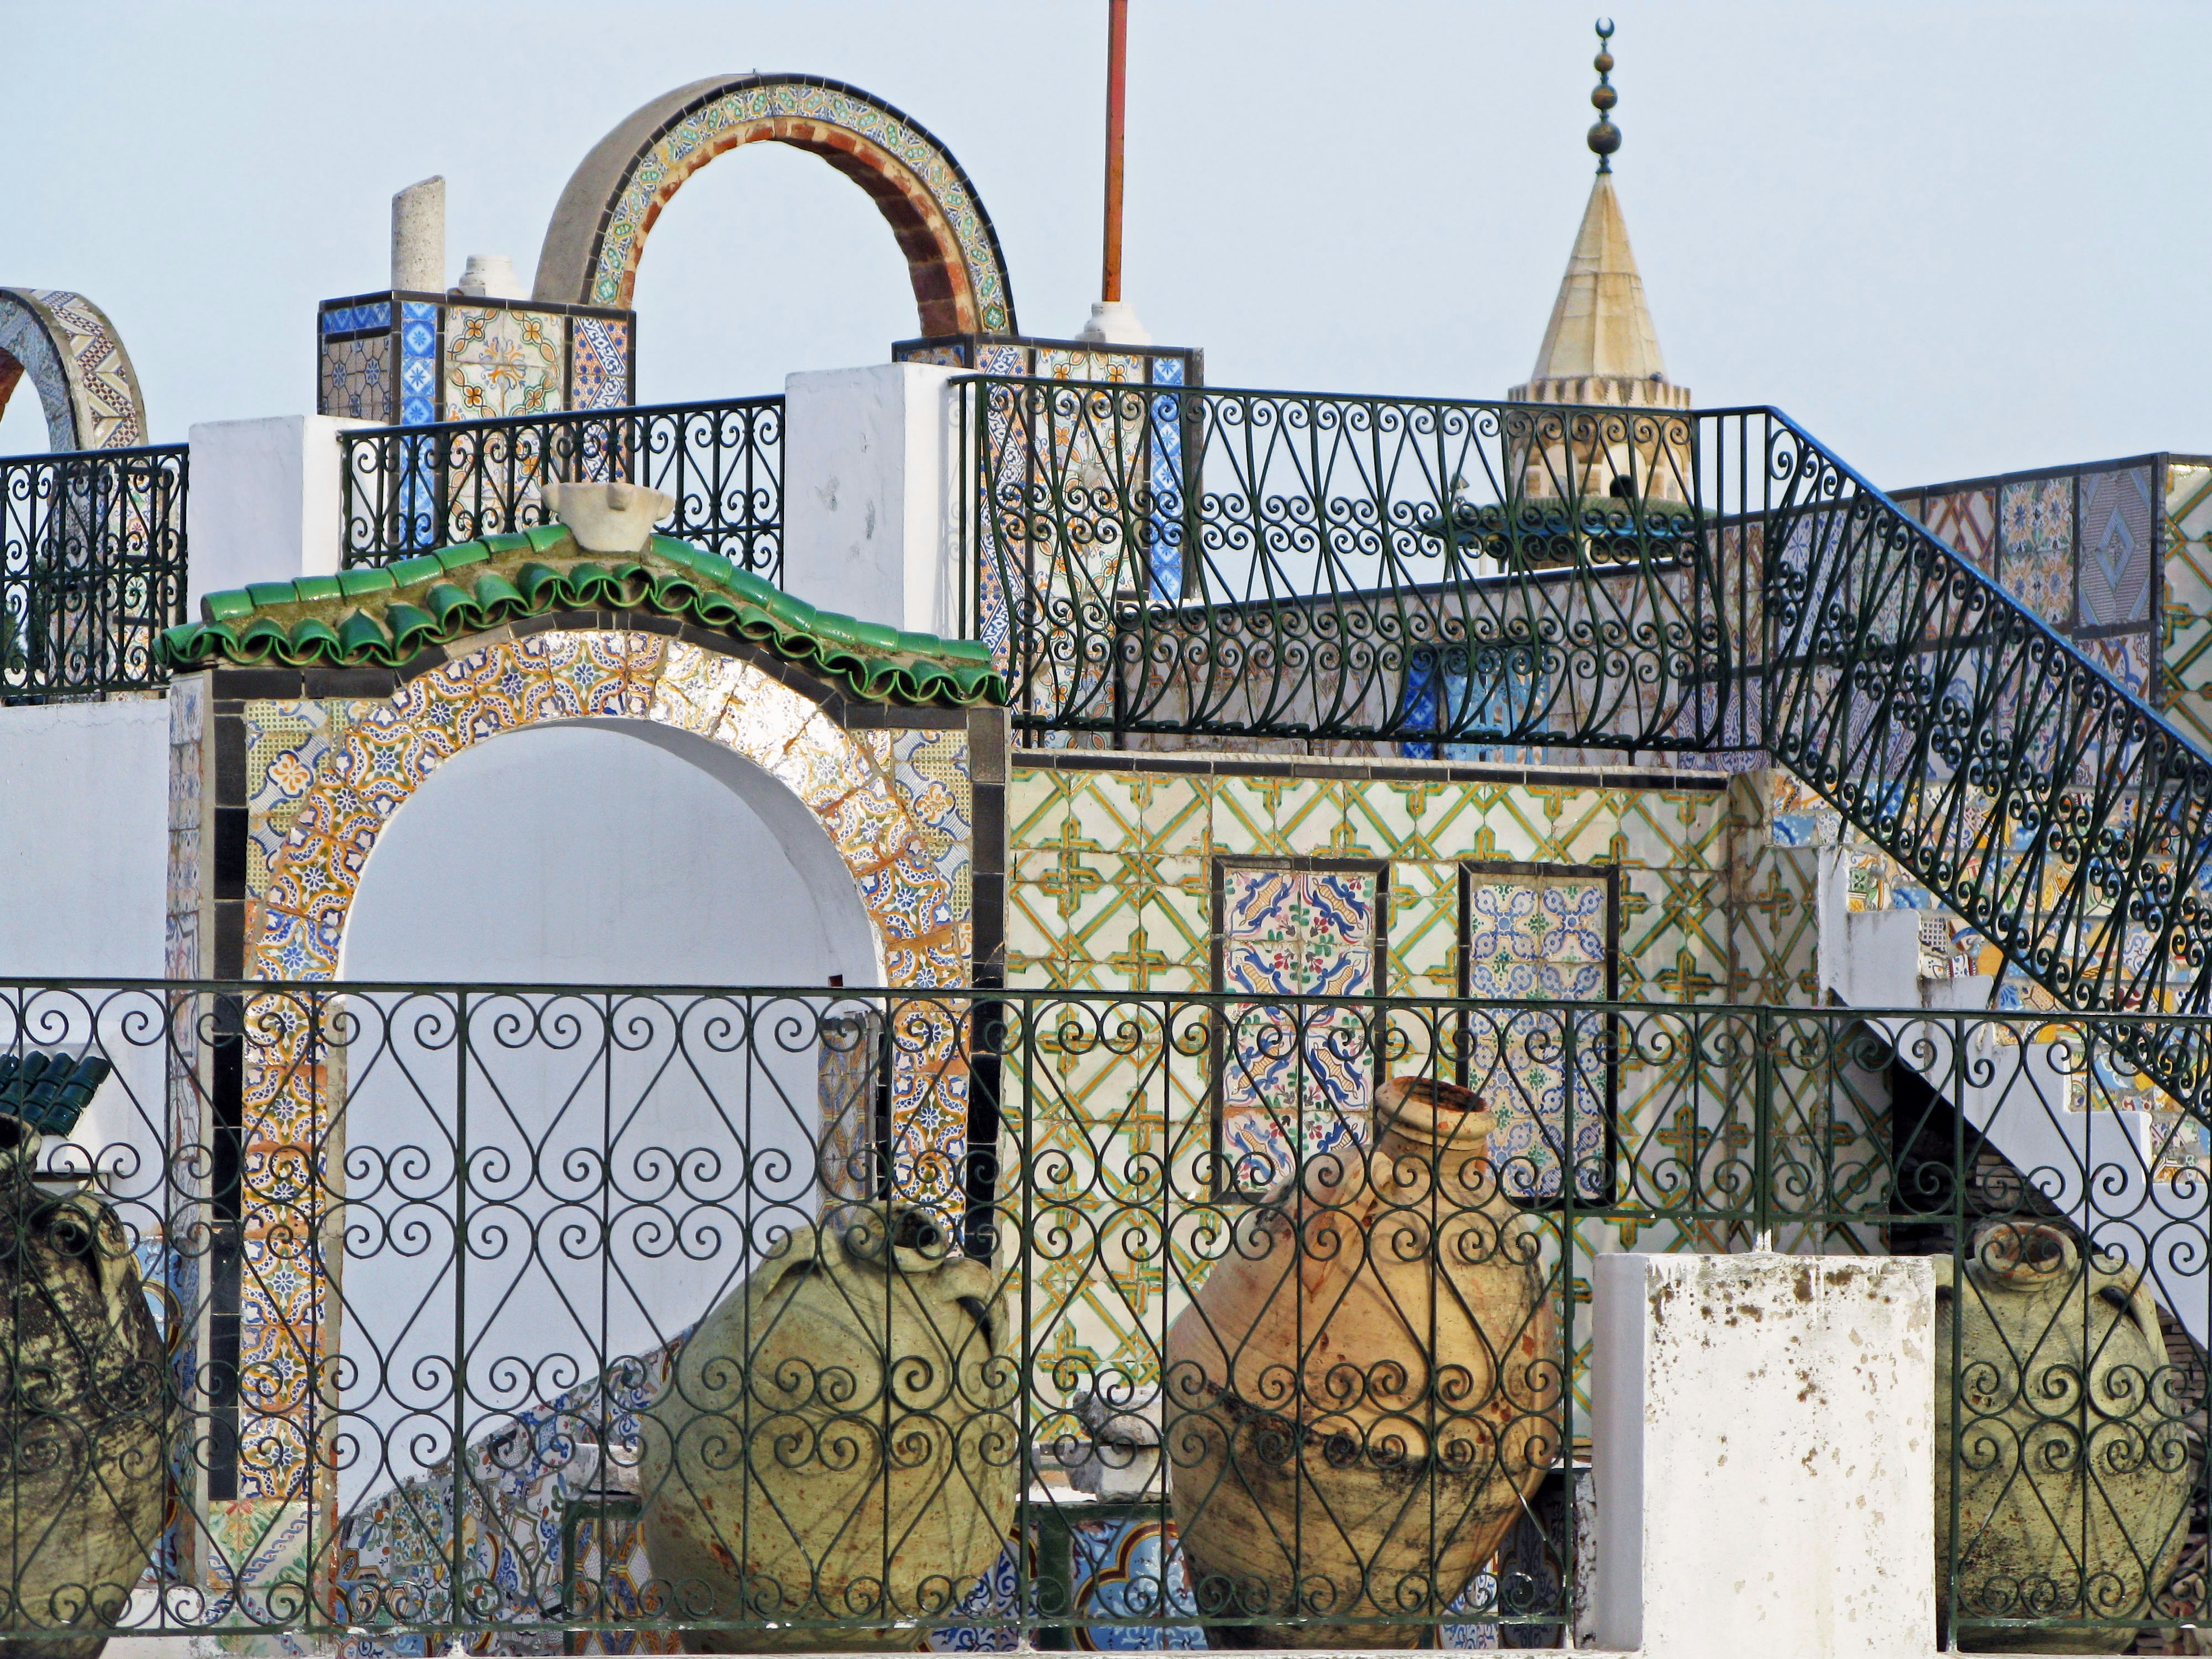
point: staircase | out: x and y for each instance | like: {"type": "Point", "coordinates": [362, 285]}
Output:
{"type": "Point", "coordinates": [1977, 748]}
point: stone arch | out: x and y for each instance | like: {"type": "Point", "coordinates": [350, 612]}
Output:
{"type": "Point", "coordinates": [64, 345]}
{"type": "Point", "coordinates": [878, 826]}
{"type": "Point", "coordinates": [598, 229]}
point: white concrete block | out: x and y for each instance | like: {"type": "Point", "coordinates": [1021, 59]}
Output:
{"type": "Point", "coordinates": [1765, 1448]}
{"type": "Point", "coordinates": [264, 502]}
{"type": "Point", "coordinates": [871, 508]}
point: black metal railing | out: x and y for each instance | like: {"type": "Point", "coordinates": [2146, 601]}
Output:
{"type": "Point", "coordinates": [408, 489]}
{"type": "Point", "coordinates": [480, 1313]}
{"type": "Point", "coordinates": [92, 568]}
{"type": "Point", "coordinates": [1251, 565]}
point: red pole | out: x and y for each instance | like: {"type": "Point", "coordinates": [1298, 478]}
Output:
{"type": "Point", "coordinates": [1117, 58]}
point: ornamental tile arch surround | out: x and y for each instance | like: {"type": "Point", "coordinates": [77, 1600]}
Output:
{"type": "Point", "coordinates": [599, 230]}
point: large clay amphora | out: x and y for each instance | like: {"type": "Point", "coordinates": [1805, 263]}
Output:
{"type": "Point", "coordinates": [2064, 1438]}
{"type": "Point", "coordinates": [838, 1440]}
{"type": "Point", "coordinates": [1364, 1388]}
{"type": "Point", "coordinates": [84, 1390]}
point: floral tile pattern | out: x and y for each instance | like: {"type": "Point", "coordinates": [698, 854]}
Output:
{"type": "Point", "coordinates": [598, 363]}
{"type": "Point", "coordinates": [2035, 556]}
{"type": "Point", "coordinates": [1288, 1093]}
{"type": "Point", "coordinates": [500, 362]}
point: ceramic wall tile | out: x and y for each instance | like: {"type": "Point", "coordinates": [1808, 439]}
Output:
{"type": "Point", "coordinates": [500, 362]}
{"type": "Point", "coordinates": [1967, 519]}
{"type": "Point", "coordinates": [2116, 547]}
{"type": "Point", "coordinates": [354, 378]}
{"type": "Point", "coordinates": [2035, 549]}
{"type": "Point", "coordinates": [599, 363]}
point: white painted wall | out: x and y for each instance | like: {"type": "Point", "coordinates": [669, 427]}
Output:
{"type": "Point", "coordinates": [84, 804]}
{"type": "Point", "coordinates": [1765, 1439]}
{"type": "Point", "coordinates": [605, 852]}
{"type": "Point", "coordinates": [264, 502]}
{"type": "Point", "coordinates": [870, 495]}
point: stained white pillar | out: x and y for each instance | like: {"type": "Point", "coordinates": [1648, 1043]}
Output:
{"type": "Point", "coordinates": [871, 507]}
{"type": "Point", "coordinates": [418, 236]}
{"type": "Point", "coordinates": [264, 504]}
{"type": "Point", "coordinates": [1765, 1451]}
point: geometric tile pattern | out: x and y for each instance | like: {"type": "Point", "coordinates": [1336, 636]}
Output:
{"type": "Point", "coordinates": [77, 361]}
{"type": "Point", "coordinates": [599, 363]}
{"type": "Point", "coordinates": [1112, 885]}
{"type": "Point", "coordinates": [1967, 518]}
{"type": "Point", "coordinates": [2185, 628]}
{"type": "Point", "coordinates": [418, 363]}
{"type": "Point", "coordinates": [2115, 548]}
{"type": "Point", "coordinates": [500, 362]}
{"type": "Point", "coordinates": [324, 775]}
{"type": "Point", "coordinates": [356, 378]}
{"type": "Point", "coordinates": [802, 111]}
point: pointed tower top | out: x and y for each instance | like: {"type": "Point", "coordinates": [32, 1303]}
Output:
{"type": "Point", "coordinates": [1605, 137]}
{"type": "Point", "coordinates": [1601, 346]}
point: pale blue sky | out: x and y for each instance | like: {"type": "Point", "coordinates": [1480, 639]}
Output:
{"type": "Point", "coordinates": [1951, 237]}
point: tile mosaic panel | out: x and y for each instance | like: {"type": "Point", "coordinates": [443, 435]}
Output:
{"type": "Point", "coordinates": [1710, 908]}
{"type": "Point", "coordinates": [324, 776]}
{"type": "Point", "coordinates": [2125, 657]}
{"type": "Point", "coordinates": [598, 363]}
{"type": "Point", "coordinates": [2116, 546]}
{"type": "Point", "coordinates": [2035, 548]}
{"type": "Point", "coordinates": [502, 362]}
{"type": "Point", "coordinates": [1290, 1091]}
{"type": "Point", "coordinates": [418, 363]}
{"type": "Point", "coordinates": [348, 319]}
{"type": "Point", "coordinates": [356, 378]}
{"type": "Point", "coordinates": [2185, 627]}
{"type": "Point", "coordinates": [1535, 936]}
{"type": "Point", "coordinates": [1967, 519]}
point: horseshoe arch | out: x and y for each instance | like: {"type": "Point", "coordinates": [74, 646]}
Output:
{"type": "Point", "coordinates": [598, 229]}
{"type": "Point", "coordinates": [64, 345]}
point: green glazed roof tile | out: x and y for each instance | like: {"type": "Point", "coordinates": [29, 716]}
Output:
{"type": "Point", "coordinates": [385, 617]}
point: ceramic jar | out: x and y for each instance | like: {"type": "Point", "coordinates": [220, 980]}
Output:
{"type": "Point", "coordinates": [84, 1411]}
{"type": "Point", "coordinates": [1365, 1386]}
{"type": "Point", "coordinates": [838, 1440]}
{"type": "Point", "coordinates": [2063, 1438]}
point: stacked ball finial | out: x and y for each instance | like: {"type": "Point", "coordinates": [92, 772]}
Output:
{"type": "Point", "coordinates": [1604, 138]}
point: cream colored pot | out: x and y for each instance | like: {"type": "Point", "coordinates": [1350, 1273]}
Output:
{"type": "Point", "coordinates": [1364, 1388]}
{"type": "Point", "coordinates": [2072, 1469]}
{"type": "Point", "coordinates": [838, 1440]}
{"type": "Point", "coordinates": [84, 1416]}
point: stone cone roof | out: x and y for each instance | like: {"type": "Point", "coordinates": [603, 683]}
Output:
{"type": "Point", "coordinates": [1601, 346]}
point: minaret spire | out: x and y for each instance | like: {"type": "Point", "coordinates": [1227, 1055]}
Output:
{"type": "Point", "coordinates": [1601, 346]}
{"type": "Point", "coordinates": [1604, 138]}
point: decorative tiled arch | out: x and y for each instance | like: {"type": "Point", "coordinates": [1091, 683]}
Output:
{"type": "Point", "coordinates": [882, 824]}
{"type": "Point", "coordinates": [597, 234]}
{"type": "Point", "coordinates": [64, 345]}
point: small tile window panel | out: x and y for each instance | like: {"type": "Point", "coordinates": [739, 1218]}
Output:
{"type": "Point", "coordinates": [1545, 935]}
{"type": "Point", "coordinates": [1294, 1080]}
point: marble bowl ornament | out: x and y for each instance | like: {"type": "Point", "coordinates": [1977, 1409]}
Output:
{"type": "Point", "coordinates": [2073, 1461]}
{"type": "Point", "coordinates": [609, 518]}
{"type": "Point", "coordinates": [1365, 1388]}
{"type": "Point", "coordinates": [85, 1415]}
{"type": "Point", "coordinates": [838, 1441]}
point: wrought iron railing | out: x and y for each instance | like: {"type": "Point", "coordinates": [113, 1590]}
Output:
{"type": "Point", "coordinates": [1430, 574]}
{"type": "Point", "coordinates": [463, 1303]}
{"type": "Point", "coordinates": [409, 488]}
{"type": "Point", "coordinates": [92, 568]}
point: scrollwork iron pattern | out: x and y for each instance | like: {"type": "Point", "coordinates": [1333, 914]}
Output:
{"type": "Point", "coordinates": [1262, 565]}
{"type": "Point", "coordinates": [436, 1266]}
{"type": "Point", "coordinates": [92, 569]}
{"type": "Point", "coordinates": [2047, 806]}
{"type": "Point", "coordinates": [410, 488]}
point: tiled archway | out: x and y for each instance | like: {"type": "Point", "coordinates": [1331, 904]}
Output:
{"type": "Point", "coordinates": [597, 234]}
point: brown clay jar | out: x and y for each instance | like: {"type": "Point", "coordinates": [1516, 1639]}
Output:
{"type": "Point", "coordinates": [1366, 1387]}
